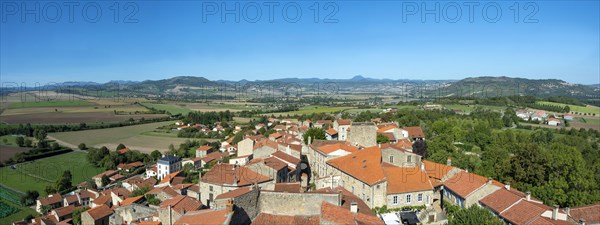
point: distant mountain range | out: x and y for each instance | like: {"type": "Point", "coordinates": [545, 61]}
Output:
{"type": "Point", "coordinates": [474, 86]}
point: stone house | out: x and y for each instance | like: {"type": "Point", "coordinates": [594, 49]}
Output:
{"type": "Point", "coordinates": [132, 212]}
{"type": "Point", "coordinates": [223, 178]}
{"type": "Point", "coordinates": [363, 134]}
{"type": "Point", "coordinates": [264, 148]}
{"type": "Point", "coordinates": [342, 126]}
{"type": "Point", "coordinates": [320, 154]}
{"type": "Point", "coordinates": [466, 189]}
{"type": "Point", "coordinates": [270, 167]}
{"type": "Point", "coordinates": [99, 215]}
{"type": "Point", "coordinates": [53, 201]}
{"type": "Point", "coordinates": [398, 156]}
{"type": "Point", "coordinates": [172, 209]}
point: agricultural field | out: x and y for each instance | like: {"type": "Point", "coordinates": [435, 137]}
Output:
{"type": "Point", "coordinates": [310, 110]}
{"type": "Point", "coordinates": [19, 214]}
{"type": "Point", "coordinates": [145, 138]}
{"type": "Point", "coordinates": [73, 118]}
{"type": "Point", "coordinates": [36, 175]}
{"type": "Point", "coordinates": [173, 109]}
{"type": "Point", "coordinates": [575, 108]}
{"type": "Point", "coordinates": [185, 108]}
{"type": "Point", "coordinates": [9, 147]}
{"type": "Point", "coordinates": [469, 108]}
{"type": "Point", "coordinates": [59, 103]}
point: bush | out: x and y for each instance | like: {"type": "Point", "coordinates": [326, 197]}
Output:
{"type": "Point", "coordinates": [82, 146]}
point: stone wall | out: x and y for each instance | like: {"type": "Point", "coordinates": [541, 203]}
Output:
{"type": "Point", "coordinates": [400, 158]}
{"type": "Point", "coordinates": [474, 198]}
{"type": "Point", "coordinates": [295, 203]}
{"type": "Point", "coordinates": [414, 199]}
{"type": "Point", "coordinates": [363, 134]}
{"type": "Point", "coordinates": [133, 212]}
{"type": "Point", "coordinates": [245, 147]}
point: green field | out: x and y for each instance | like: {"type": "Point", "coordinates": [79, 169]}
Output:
{"type": "Point", "coordinates": [310, 110]}
{"type": "Point", "coordinates": [469, 108]}
{"type": "Point", "coordinates": [145, 137]}
{"type": "Point", "coordinates": [36, 175]}
{"type": "Point", "coordinates": [576, 108]}
{"type": "Point", "coordinates": [59, 103]}
{"type": "Point", "coordinates": [19, 215]}
{"type": "Point", "coordinates": [173, 109]}
{"type": "Point", "coordinates": [10, 140]}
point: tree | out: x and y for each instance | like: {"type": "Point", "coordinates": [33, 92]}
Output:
{"type": "Point", "coordinates": [28, 143]}
{"type": "Point", "coordinates": [20, 141]}
{"type": "Point", "coordinates": [82, 146]}
{"type": "Point", "coordinates": [314, 134]}
{"type": "Point", "coordinates": [64, 182]}
{"type": "Point", "coordinates": [45, 209]}
{"type": "Point", "coordinates": [40, 134]}
{"type": "Point", "coordinates": [381, 139]}
{"type": "Point", "coordinates": [420, 148]}
{"type": "Point", "coordinates": [473, 215]}
{"type": "Point", "coordinates": [77, 215]}
{"type": "Point", "coordinates": [121, 146]}
{"type": "Point", "coordinates": [55, 146]}
{"type": "Point", "coordinates": [105, 180]}
{"type": "Point", "coordinates": [49, 190]}
{"type": "Point", "coordinates": [140, 191]}
{"type": "Point", "coordinates": [155, 155]}
{"type": "Point", "coordinates": [91, 184]}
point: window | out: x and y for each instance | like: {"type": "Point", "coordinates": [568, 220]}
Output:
{"type": "Point", "coordinates": [409, 158]}
{"type": "Point", "coordinates": [391, 159]}
{"type": "Point", "coordinates": [408, 200]}
{"type": "Point", "coordinates": [352, 189]}
{"type": "Point", "coordinates": [210, 188]}
{"type": "Point", "coordinates": [395, 200]}
{"type": "Point", "coordinates": [378, 187]}
{"type": "Point", "coordinates": [419, 197]}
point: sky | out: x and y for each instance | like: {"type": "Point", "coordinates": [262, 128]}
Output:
{"type": "Point", "coordinates": [104, 40]}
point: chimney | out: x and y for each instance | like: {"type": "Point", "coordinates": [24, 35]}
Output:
{"type": "Point", "coordinates": [353, 207]}
{"type": "Point", "coordinates": [309, 140]}
{"type": "Point", "coordinates": [528, 196]}
{"type": "Point", "coordinates": [568, 211]}
{"type": "Point", "coordinates": [449, 161]}
{"type": "Point", "coordinates": [170, 215]}
{"type": "Point", "coordinates": [287, 150]}
{"type": "Point", "coordinates": [229, 206]}
{"type": "Point", "coordinates": [340, 196]}
{"type": "Point", "coordinates": [507, 186]}
{"type": "Point", "coordinates": [423, 167]}
{"type": "Point", "coordinates": [489, 181]}
{"type": "Point", "coordinates": [379, 145]}
{"type": "Point", "coordinates": [555, 212]}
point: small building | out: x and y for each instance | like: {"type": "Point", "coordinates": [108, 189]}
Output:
{"type": "Point", "coordinates": [568, 117]}
{"type": "Point", "coordinates": [168, 164]}
{"type": "Point", "coordinates": [96, 216]}
{"type": "Point", "coordinates": [54, 201]}
{"type": "Point", "coordinates": [553, 122]}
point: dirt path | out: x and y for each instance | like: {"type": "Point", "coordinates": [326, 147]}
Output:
{"type": "Point", "coordinates": [74, 147]}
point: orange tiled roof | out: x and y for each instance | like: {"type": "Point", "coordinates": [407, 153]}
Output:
{"type": "Point", "coordinates": [231, 174]}
{"type": "Point", "coordinates": [207, 216]}
{"type": "Point", "coordinates": [465, 183]}
{"type": "Point", "coordinates": [590, 213]}
{"type": "Point", "coordinates": [234, 193]}
{"type": "Point", "coordinates": [523, 212]}
{"type": "Point", "coordinates": [169, 177]}
{"type": "Point", "coordinates": [436, 170]}
{"type": "Point", "coordinates": [270, 219]}
{"type": "Point", "coordinates": [347, 199]}
{"type": "Point", "coordinates": [339, 215]}
{"type": "Point", "coordinates": [100, 212]}
{"type": "Point", "coordinates": [63, 211]}
{"type": "Point", "coordinates": [329, 148]}
{"type": "Point", "coordinates": [102, 200]}
{"type": "Point", "coordinates": [166, 189]}
{"type": "Point", "coordinates": [500, 200]}
{"type": "Point", "coordinates": [267, 143]}
{"type": "Point", "coordinates": [414, 132]}
{"type": "Point", "coordinates": [123, 150]}
{"type": "Point", "coordinates": [271, 162]}
{"type": "Point", "coordinates": [331, 131]}
{"type": "Point", "coordinates": [286, 158]}
{"type": "Point", "coordinates": [288, 187]}
{"type": "Point", "coordinates": [71, 199]}
{"type": "Point", "coordinates": [108, 173]}
{"type": "Point", "coordinates": [404, 180]}
{"type": "Point", "coordinates": [129, 201]}
{"type": "Point", "coordinates": [386, 127]}
{"type": "Point", "coordinates": [344, 122]}
{"type": "Point", "coordinates": [404, 143]}
{"type": "Point", "coordinates": [55, 198]}
{"type": "Point", "coordinates": [364, 165]}
{"type": "Point", "coordinates": [182, 204]}
{"type": "Point", "coordinates": [204, 148]}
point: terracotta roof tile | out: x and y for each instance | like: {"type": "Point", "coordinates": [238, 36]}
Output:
{"type": "Point", "coordinates": [100, 212]}
{"type": "Point", "coordinates": [234, 193]}
{"type": "Point", "coordinates": [204, 148]}
{"type": "Point", "coordinates": [71, 199]}
{"type": "Point", "coordinates": [102, 200]}
{"type": "Point", "coordinates": [347, 199]}
{"type": "Point", "coordinates": [329, 148]}
{"type": "Point", "coordinates": [54, 199]}
{"type": "Point", "coordinates": [182, 204]}
{"type": "Point", "coordinates": [364, 165]}
{"type": "Point", "coordinates": [590, 213]}
{"type": "Point", "coordinates": [123, 150]}
{"type": "Point", "coordinates": [207, 216]}
{"type": "Point", "coordinates": [108, 173]}
{"type": "Point", "coordinates": [414, 132]}
{"type": "Point", "coordinates": [331, 131]}
{"type": "Point", "coordinates": [386, 127]}
{"type": "Point", "coordinates": [288, 187]}
{"type": "Point", "coordinates": [270, 219]}
{"type": "Point", "coordinates": [403, 180]}
{"type": "Point", "coordinates": [285, 157]}
{"type": "Point", "coordinates": [63, 211]}
{"type": "Point", "coordinates": [169, 177]}
{"type": "Point", "coordinates": [129, 201]}
{"type": "Point", "coordinates": [166, 189]}
{"type": "Point", "coordinates": [344, 122]}
{"type": "Point", "coordinates": [523, 212]}
{"type": "Point", "coordinates": [436, 170]}
{"type": "Point", "coordinates": [465, 183]}
{"type": "Point", "coordinates": [500, 200]}
{"type": "Point", "coordinates": [231, 174]}
{"type": "Point", "coordinates": [339, 215]}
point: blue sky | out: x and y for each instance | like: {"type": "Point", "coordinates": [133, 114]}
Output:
{"type": "Point", "coordinates": [369, 38]}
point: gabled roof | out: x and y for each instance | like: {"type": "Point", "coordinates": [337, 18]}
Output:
{"type": "Point", "coordinates": [63, 211]}
{"type": "Point", "coordinates": [465, 183]}
{"type": "Point", "coordinates": [108, 173]}
{"type": "Point", "coordinates": [347, 199]}
{"type": "Point", "coordinates": [204, 148]}
{"type": "Point", "coordinates": [100, 212]}
{"type": "Point", "coordinates": [285, 157]}
{"type": "Point", "coordinates": [500, 200]}
{"type": "Point", "coordinates": [216, 155]}
{"type": "Point", "coordinates": [436, 170]}
{"type": "Point", "coordinates": [339, 215]}
{"type": "Point", "coordinates": [328, 149]}
{"type": "Point", "coordinates": [54, 199]}
{"type": "Point", "coordinates": [121, 192]}
{"type": "Point", "coordinates": [207, 216]}
{"type": "Point", "coordinates": [129, 201]}
{"type": "Point", "coordinates": [233, 175]}
{"type": "Point", "coordinates": [288, 187]}
{"type": "Point", "coordinates": [169, 177]}
{"type": "Point", "coordinates": [523, 212]}
{"type": "Point", "coordinates": [86, 194]}
{"type": "Point", "coordinates": [390, 136]}
{"type": "Point", "coordinates": [266, 143]}
{"type": "Point", "coordinates": [130, 165]}
{"type": "Point", "coordinates": [590, 213]}
{"type": "Point", "coordinates": [405, 180]}
{"type": "Point", "coordinates": [169, 159]}
{"type": "Point", "coordinates": [386, 127]}
{"type": "Point", "coordinates": [414, 132]}
{"type": "Point", "coordinates": [181, 204]}
{"type": "Point", "coordinates": [344, 122]}
{"type": "Point", "coordinates": [102, 200]}
{"type": "Point", "coordinates": [270, 219]}
{"type": "Point", "coordinates": [404, 143]}
{"type": "Point", "coordinates": [364, 165]}
{"type": "Point", "coordinates": [272, 162]}
{"type": "Point", "coordinates": [166, 189]}
{"type": "Point", "coordinates": [324, 122]}
{"type": "Point", "coordinates": [331, 131]}
{"type": "Point", "coordinates": [234, 193]}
